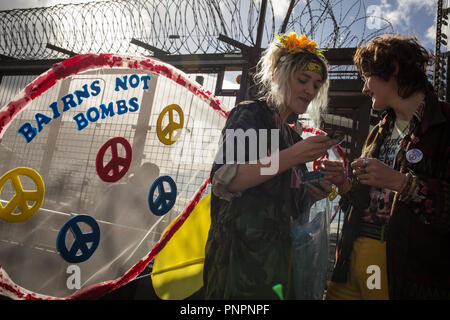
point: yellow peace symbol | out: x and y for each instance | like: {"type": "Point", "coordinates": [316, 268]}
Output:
{"type": "Point", "coordinates": [172, 131]}
{"type": "Point", "coordinates": [333, 194]}
{"type": "Point", "coordinates": [22, 196]}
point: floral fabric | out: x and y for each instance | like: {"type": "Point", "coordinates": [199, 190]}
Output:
{"type": "Point", "coordinates": [417, 250]}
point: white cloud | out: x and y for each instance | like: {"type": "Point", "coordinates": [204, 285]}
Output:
{"type": "Point", "coordinates": [412, 17]}
{"type": "Point", "coordinates": [401, 13]}
{"type": "Point", "coordinates": [280, 8]}
{"type": "Point", "coordinates": [431, 33]}
{"type": "Point", "coordinates": [24, 4]}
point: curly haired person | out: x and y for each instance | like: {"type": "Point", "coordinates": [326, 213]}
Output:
{"type": "Point", "coordinates": [396, 233]}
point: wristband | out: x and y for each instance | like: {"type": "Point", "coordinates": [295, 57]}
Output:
{"type": "Point", "coordinates": [407, 186]}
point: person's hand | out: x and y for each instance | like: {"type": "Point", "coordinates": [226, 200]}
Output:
{"type": "Point", "coordinates": [375, 173]}
{"type": "Point", "coordinates": [317, 193]}
{"type": "Point", "coordinates": [311, 148]}
{"type": "Point", "coordinates": [334, 171]}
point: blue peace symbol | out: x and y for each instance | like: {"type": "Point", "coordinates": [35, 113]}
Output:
{"type": "Point", "coordinates": [81, 239]}
{"type": "Point", "coordinates": [166, 199]}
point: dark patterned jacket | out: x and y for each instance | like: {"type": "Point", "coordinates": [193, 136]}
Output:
{"type": "Point", "coordinates": [418, 235]}
{"type": "Point", "coordinates": [249, 245]}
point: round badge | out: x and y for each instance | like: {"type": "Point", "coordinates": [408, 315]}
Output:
{"type": "Point", "coordinates": [79, 251]}
{"type": "Point", "coordinates": [414, 155]}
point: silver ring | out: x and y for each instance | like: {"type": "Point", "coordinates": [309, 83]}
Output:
{"type": "Point", "coordinates": [365, 162]}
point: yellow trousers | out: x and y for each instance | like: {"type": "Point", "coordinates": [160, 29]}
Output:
{"type": "Point", "coordinates": [367, 276]}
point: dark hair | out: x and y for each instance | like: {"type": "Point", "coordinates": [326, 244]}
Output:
{"type": "Point", "coordinates": [381, 56]}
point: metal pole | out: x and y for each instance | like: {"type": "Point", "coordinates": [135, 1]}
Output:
{"type": "Point", "coordinates": [248, 89]}
{"type": "Point", "coordinates": [262, 18]}
{"type": "Point", "coordinates": [288, 15]}
{"type": "Point", "coordinates": [437, 66]}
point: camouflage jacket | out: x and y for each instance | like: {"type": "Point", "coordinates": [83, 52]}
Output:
{"type": "Point", "coordinates": [249, 244]}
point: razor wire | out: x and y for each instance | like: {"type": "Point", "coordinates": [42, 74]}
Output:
{"type": "Point", "coordinates": [337, 23]}
{"type": "Point", "coordinates": [175, 26]}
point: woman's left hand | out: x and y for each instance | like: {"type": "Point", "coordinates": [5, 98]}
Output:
{"type": "Point", "coordinates": [334, 171]}
{"type": "Point", "coordinates": [318, 193]}
{"type": "Point", "coordinates": [375, 173]}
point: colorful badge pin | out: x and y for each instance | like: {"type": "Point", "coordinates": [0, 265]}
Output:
{"type": "Point", "coordinates": [414, 155]}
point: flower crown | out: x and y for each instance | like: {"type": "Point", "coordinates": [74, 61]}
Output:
{"type": "Point", "coordinates": [294, 43]}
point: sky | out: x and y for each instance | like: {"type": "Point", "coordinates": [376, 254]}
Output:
{"type": "Point", "coordinates": [412, 17]}
{"type": "Point", "coordinates": [20, 4]}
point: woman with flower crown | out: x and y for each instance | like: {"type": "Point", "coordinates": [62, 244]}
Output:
{"type": "Point", "coordinates": [248, 250]}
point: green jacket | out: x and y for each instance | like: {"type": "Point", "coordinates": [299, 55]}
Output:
{"type": "Point", "coordinates": [249, 244]}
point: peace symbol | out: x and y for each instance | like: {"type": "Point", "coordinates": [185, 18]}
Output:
{"type": "Point", "coordinates": [22, 196]}
{"type": "Point", "coordinates": [81, 239]}
{"type": "Point", "coordinates": [112, 172]}
{"type": "Point", "coordinates": [166, 199]}
{"type": "Point", "coordinates": [173, 129]}
{"type": "Point", "coordinates": [333, 194]}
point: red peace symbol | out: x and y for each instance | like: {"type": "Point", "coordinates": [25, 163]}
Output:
{"type": "Point", "coordinates": [116, 162]}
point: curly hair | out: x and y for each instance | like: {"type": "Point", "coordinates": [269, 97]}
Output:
{"type": "Point", "coordinates": [384, 53]}
{"type": "Point", "coordinates": [274, 70]}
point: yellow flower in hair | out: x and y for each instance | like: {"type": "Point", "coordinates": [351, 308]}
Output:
{"type": "Point", "coordinates": [291, 42]}
{"type": "Point", "coordinates": [294, 43]}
